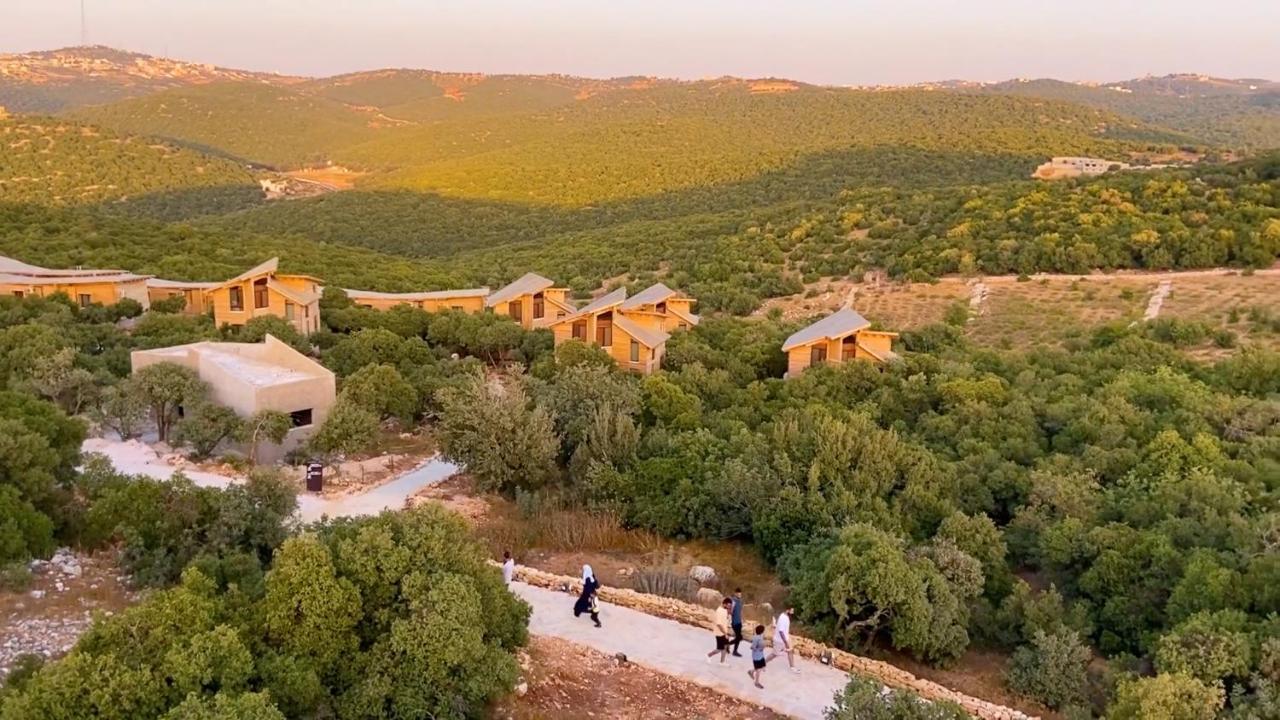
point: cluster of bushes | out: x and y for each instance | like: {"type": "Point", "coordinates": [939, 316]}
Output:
{"type": "Point", "coordinates": [899, 501]}
{"type": "Point", "coordinates": [392, 616]}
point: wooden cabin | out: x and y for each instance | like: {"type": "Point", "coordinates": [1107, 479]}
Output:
{"type": "Point", "coordinates": [532, 301]}
{"type": "Point", "coordinates": [468, 299]}
{"type": "Point", "coordinates": [85, 287]}
{"type": "Point", "coordinates": [658, 307]}
{"type": "Point", "coordinates": [193, 293]}
{"type": "Point", "coordinates": [263, 290]}
{"type": "Point", "coordinates": [841, 336]}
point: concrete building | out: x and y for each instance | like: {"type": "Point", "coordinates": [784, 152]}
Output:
{"type": "Point", "coordinates": [263, 290]}
{"type": "Point", "coordinates": [468, 299]}
{"type": "Point", "coordinates": [532, 301]}
{"type": "Point", "coordinates": [248, 377]}
{"type": "Point", "coordinates": [841, 336]}
{"type": "Point", "coordinates": [1070, 166]}
{"type": "Point", "coordinates": [85, 287]}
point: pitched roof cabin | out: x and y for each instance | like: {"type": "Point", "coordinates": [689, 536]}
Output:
{"type": "Point", "coordinates": [194, 294]}
{"type": "Point", "coordinates": [634, 331]}
{"type": "Point", "coordinates": [83, 286]}
{"type": "Point", "coordinates": [468, 299]}
{"type": "Point", "coordinates": [263, 290]}
{"type": "Point", "coordinates": [532, 301]}
{"type": "Point", "coordinates": [661, 308]}
{"type": "Point", "coordinates": [840, 336]}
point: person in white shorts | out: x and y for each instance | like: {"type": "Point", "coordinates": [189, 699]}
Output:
{"type": "Point", "coordinates": [508, 567]}
{"type": "Point", "coordinates": [782, 639]}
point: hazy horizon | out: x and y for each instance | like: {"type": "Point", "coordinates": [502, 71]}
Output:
{"type": "Point", "coordinates": [859, 43]}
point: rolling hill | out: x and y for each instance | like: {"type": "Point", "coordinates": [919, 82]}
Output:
{"type": "Point", "coordinates": [1242, 114]}
{"type": "Point", "coordinates": [57, 80]}
{"type": "Point", "coordinates": [56, 161]}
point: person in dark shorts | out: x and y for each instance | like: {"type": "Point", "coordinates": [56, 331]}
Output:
{"type": "Point", "coordinates": [757, 657]}
{"type": "Point", "coordinates": [720, 627]}
{"type": "Point", "coordinates": [735, 618]}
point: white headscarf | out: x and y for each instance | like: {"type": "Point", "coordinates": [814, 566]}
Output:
{"type": "Point", "coordinates": [587, 573]}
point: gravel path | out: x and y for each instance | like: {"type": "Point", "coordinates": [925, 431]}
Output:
{"type": "Point", "coordinates": [137, 458]}
{"type": "Point", "coordinates": [680, 650]}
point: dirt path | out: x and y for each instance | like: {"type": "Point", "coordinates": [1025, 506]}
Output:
{"type": "Point", "coordinates": [1157, 300]}
{"type": "Point", "coordinates": [136, 458]}
{"type": "Point", "coordinates": [680, 650]}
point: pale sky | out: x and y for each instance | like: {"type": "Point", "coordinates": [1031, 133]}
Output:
{"type": "Point", "coordinates": [822, 41]}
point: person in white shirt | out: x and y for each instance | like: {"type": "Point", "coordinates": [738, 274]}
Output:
{"type": "Point", "coordinates": [782, 639]}
{"type": "Point", "coordinates": [721, 628]}
{"type": "Point", "coordinates": [508, 567]}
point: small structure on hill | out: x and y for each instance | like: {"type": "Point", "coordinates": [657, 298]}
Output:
{"type": "Point", "coordinates": [263, 290]}
{"type": "Point", "coordinates": [531, 300]}
{"type": "Point", "coordinates": [1071, 166]}
{"type": "Point", "coordinates": [249, 377]}
{"type": "Point", "coordinates": [841, 336]}
{"type": "Point", "coordinates": [83, 286]}
{"type": "Point", "coordinates": [633, 331]}
{"type": "Point", "coordinates": [466, 299]}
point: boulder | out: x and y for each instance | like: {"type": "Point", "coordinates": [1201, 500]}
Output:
{"type": "Point", "coordinates": [703, 574]}
{"type": "Point", "coordinates": [709, 597]}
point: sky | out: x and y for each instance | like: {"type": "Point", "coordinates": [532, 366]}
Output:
{"type": "Point", "coordinates": [856, 42]}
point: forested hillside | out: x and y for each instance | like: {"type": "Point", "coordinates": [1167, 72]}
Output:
{"type": "Point", "coordinates": [1230, 115]}
{"type": "Point", "coordinates": [47, 160]}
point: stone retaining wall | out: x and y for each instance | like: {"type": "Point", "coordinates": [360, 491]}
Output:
{"type": "Point", "coordinates": [690, 614]}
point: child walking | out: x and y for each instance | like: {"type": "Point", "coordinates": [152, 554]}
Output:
{"type": "Point", "coordinates": [594, 606]}
{"type": "Point", "coordinates": [757, 657]}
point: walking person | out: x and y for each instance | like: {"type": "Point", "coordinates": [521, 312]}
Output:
{"type": "Point", "coordinates": [721, 629]}
{"type": "Point", "coordinates": [736, 619]}
{"type": "Point", "coordinates": [757, 657]}
{"type": "Point", "coordinates": [782, 639]}
{"type": "Point", "coordinates": [589, 586]}
{"type": "Point", "coordinates": [508, 567]}
{"type": "Point", "coordinates": [594, 607]}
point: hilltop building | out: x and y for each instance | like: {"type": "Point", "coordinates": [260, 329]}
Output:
{"type": "Point", "coordinates": [263, 290]}
{"type": "Point", "coordinates": [85, 287]}
{"type": "Point", "coordinates": [249, 377]}
{"type": "Point", "coordinates": [531, 300]}
{"type": "Point", "coordinates": [467, 299]}
{"type": "Point", "coordinates": [841, 336]}
{"type": "Point", "coordinates": [1064, 167]}
{"type": "Point", "coordinates": [633, 331]}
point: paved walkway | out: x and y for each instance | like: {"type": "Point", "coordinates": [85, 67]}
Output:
{"type": "Point", "coordinates": [134, 457]}
{"type": "Point", "coordinates": [677, 649]}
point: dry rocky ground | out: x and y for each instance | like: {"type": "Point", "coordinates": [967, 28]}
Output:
{"type": "Point", "coordinates": [65, 593]}
{"type": "Point", "coordinates": [565, 680]}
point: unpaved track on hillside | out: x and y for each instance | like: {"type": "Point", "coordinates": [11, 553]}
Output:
{"type": "Point", "coordinates": [680, 650]}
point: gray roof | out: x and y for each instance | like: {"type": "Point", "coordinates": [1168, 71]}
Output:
{"type": "Point", "coordinates": [648, 338]}
{"type": "Point", "coordinates": [523, 285]}
{"type": "Point", "coordinates": [837, 324]}
{"type": "Point", "coordinates": [179, 284]}
{"type": "Point", "coordinates": [604, 302]}
{"type": "Point", "coordinates": [9, 266]}
{"type": "Point", "coordinates": [651, 295]}
{"type": "Point", "coordinates": [417, 296]}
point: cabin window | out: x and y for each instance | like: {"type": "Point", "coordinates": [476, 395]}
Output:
{"type": "Point", "coordinates": [17, 293]}
{"type": "Point", "coordinates": [513, 309]}
{"type": "Point", "coordinates": [288, 310]}
{"type": "Point", "coordinates": [236, 299]}
{"type": "Point", "coordinates": [455, 307]}
{"type": "Point", "coordinates": [662, 306]}
{"type": "Point", "coordinates": [306, 311]}
{"type": "Point", "coordinates": [85, 300]}
{"type": "Point", "coordinates": [635, 351]}
{"type": "Point", "coordinates": [300, 418]}
{"type": "Point", "coordinates": [580, 330]}
{"type": "Point", "coordinates": [604, 335]}
{"type": "Point", "coordinates": [539, 307]}
{"type": "Point", "coordinates": [818, 354]}
{"type": "Point", "coordinates": [260, 299]}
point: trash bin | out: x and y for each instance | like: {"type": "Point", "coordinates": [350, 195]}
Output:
{"type": "Point", "coordinates": [315, 477]}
